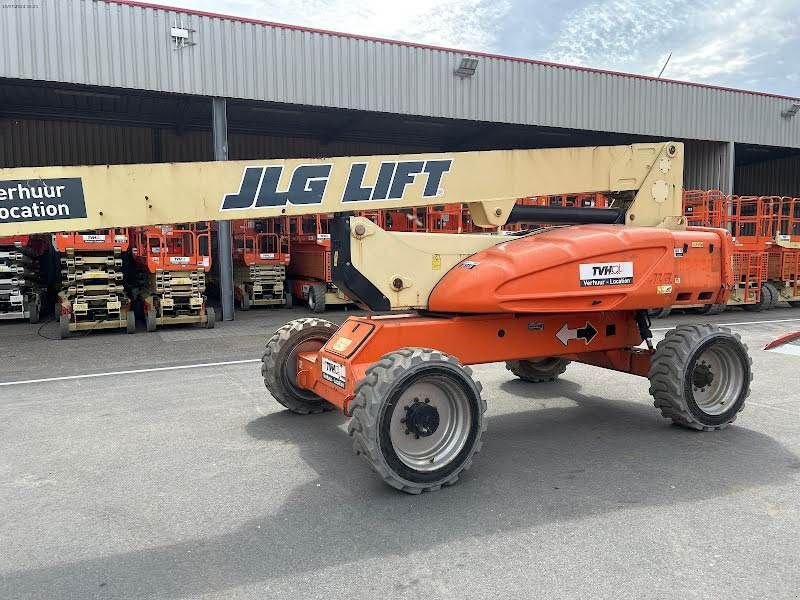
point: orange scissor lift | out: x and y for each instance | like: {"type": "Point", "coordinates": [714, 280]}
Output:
{"type": "Point", "coordinates": [784, 256]}
{"type": "Point", "coordinates": [310, 274]}
{"type": "Point", "coordinates": [173, 262]}
{"type": "Point", "coordinates": [21, 291]}
{"type": "Point", "coordinates": [93, 295]}
{"type": "Point", "coordinates": [753, 222]}
{"type": "Point", "coordinates": [261, 253]}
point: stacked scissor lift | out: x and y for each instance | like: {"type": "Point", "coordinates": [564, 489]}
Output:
{"type": "Point", "coordinates": [93, 294]}
{"type": "Point", "coordinates": [172, 263]}
{"type": "Point", "coordinates": [261, 256]}
{"type": "Point", "coordinates": [21, 290]}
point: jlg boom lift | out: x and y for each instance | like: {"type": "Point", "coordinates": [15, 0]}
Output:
{"type": "Point", "coordinates": [536, 302]}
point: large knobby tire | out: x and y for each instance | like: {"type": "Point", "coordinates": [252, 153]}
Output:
{"type": "Point", "coordinates": [417, 419]}
{"type": "Point", "coordinates": [700, 376]}
{"type": "Point", "coordinates": [540, 370]}
{"type": "Point", "coordinates": [279, 363]}
{"type": "Point", "coordinates": [316, 298]}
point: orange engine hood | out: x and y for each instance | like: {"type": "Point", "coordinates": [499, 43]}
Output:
{"type": "Point", "coordinates": [588, 267]}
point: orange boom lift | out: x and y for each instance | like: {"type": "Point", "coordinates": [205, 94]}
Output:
{"type": "Point", "coordinates": [575, 291]}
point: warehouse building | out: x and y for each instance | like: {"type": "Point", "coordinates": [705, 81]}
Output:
{"type": "Point", "coordinates": [117, 81]}
{"type": "Point", "coordinates": [114, 81]}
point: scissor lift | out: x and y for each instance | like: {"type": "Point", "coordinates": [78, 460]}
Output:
{"type": "Point", "coordinates": [261, 252]}
{"type": "Point", "coordinates": [310, 270]}
{"type": "Point", "coordinates": [93, 294]}
{"type": "Point", "coordinates": [173, 262]}
{"type": "Point", "coordinates": [21, 292]}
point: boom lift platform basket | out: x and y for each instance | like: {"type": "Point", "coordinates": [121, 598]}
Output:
{"type": "Point", "coordinates": [173, 261]}
{"type": "Point", "coordinates": [536, 302]}
{"type": "Point", "coordinates": [92, 293]}
{"type": "Point", "coordinates": [21, 290]}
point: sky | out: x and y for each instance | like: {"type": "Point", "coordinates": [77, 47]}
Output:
{"type": "Point", "coordinates": [748, 44]}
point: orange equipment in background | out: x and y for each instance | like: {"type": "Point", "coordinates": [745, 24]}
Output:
{"type": "Point", "coordinates": [93, 294]}
{"type": "Point", "coordinates": [173, 261]}
{"type": "Point", "coordinates": [310, 273]}
{"type": "Point", "coordinates": [21, 290]}
{"type": "Point", "coordinates": [261, 251]}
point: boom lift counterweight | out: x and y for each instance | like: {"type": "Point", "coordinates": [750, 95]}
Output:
{"type": "Point", "coordinates": [538, 301]}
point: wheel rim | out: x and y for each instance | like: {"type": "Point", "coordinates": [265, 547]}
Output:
{"type": "Point", "coordinates": [716, 378]}
{"type": "Point", "coordinates": [425, 442]}
{"type": "Point", "coordinates": [290, 366]}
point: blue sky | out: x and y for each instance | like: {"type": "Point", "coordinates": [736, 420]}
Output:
{"type": "Point", "coordinates": [750, 44]}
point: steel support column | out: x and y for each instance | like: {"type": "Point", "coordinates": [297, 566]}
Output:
{"type": "Point", "coordinates": [219, 125]}
{"type": "Point", "coordinates": [730, 156]}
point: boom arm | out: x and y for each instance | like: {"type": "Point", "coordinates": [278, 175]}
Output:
{"type": "Point", "coordinates": [50, 199]}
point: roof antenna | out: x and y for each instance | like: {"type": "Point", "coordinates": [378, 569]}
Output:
{"type": "Point", "coordinates": [666, 62]}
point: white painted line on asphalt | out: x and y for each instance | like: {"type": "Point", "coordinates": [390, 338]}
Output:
{"type": "Point", "coordinates": [734, 324]}
{"type": "Point", "coordinates": [133, 372]}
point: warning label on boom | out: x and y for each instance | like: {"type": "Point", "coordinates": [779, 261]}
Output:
{"type": "Point", "coordinates": [612, 273]}
{"type": "Point", "coordinates": [41, 200]}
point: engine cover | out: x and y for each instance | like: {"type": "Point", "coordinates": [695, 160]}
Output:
{"type": "Point", "coordinates": [590, 267]}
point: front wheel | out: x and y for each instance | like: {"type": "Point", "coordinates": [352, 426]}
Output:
{"type": "Point", "coordinates": [417, 419]}
{"type": "Point", "coordinates": [700, 376]}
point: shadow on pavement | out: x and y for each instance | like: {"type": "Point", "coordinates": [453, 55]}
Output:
{"type": "Point", "coordinates": [540, 466]}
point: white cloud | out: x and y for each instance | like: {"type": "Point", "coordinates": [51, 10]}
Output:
{"type": "Point", "coordinates": [713, 40]}
{"type": "Point", "coordinates": [468, 24]}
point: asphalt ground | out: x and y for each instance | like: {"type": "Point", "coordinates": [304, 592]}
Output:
{"type": "Point", "coordinates": [193, 483]}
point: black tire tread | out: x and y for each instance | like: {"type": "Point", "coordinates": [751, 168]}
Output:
{"type": "Point", "coordinates": [269, 371]}
{"type": "Point", "coordinates": [667, 368]}
{"type": "Point", "coordinates": [530, 372]}
{"type": "Point", "coordinates": [370, 393]}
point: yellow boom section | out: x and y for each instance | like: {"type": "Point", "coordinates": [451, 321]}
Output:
{"type": "Point", "coordinates": [48, 199]}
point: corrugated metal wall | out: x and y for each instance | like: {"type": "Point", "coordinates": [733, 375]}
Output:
{"type": "Point", "coordinates": [107, 44]}
{"type": "Point", "coordinates": [779, 177]}
{"type": "Point", "coordinates": [708, 166]}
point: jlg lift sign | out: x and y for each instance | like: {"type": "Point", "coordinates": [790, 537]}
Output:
{"type": "Point", "coordinates": [41, 200]}
{"type": "Point", "coordinates": [616, 273]}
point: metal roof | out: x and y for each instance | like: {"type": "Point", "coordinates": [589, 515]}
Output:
{"type": "Point", "coordinates": [127, 44]}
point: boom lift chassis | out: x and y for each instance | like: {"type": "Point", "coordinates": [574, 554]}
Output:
{"type": "Point", "coordinates": [536, 302]}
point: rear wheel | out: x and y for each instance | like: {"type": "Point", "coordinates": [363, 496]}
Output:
{"type": "Point", "coordinates": [211, 317]}
{"type": "Point", "coordinates": [537, 371]}
{"type": "Point", "coordinates": [63, 327]}
{"type": "Point", "coordinates": [659, 313]}
{"type": "Point", "coordinates": [316, 298]}
{"type": "Point", "coordinates": [150, 320]}
{"type": "Point", "coordinates": [417, 419]}
{"type": "Point", "coordinates": [279, 363]}
{"type": "Point", "coordinates": [700, 376]}
{"type": "Point", "coordinates": [288, 301]}
{"type": "Point", "coordinates": [794, 303]}
{"type": "Point", "coordinates": [775, 295]}
{"type": "Point", "coordinates": [130, 325]}
{"type": "Point", "coordinates": [34, 311]}
{"type": "Point", "coordinates": [764, 301]}
{"type": "Point", "coordinates": [244, 302]}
